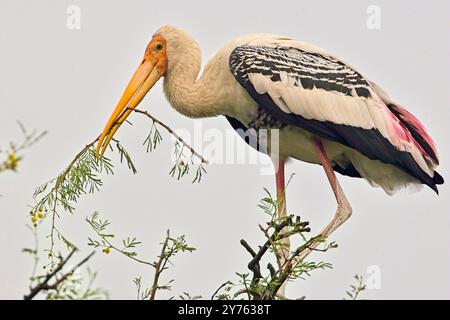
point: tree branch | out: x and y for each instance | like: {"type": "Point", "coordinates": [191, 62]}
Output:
{"type": "Point", "coordinates": [159, 267]}
{"type": "Point", "coordinates": [281, 275]}
{"type": "Point", "coordinates": [44, 286]}
{"type": "Point", "coordinates": [53, 197]}
{"type": "Point", "coordinates": [173, 133]}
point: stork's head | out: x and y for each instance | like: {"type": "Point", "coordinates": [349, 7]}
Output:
{"type": "Point", "coordinates": [154, 65]}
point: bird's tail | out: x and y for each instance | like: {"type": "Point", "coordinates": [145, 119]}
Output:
{"type": "Point", "coordinates": [417, 130]}
{"type": "Point", "coordinates": [420, 135]}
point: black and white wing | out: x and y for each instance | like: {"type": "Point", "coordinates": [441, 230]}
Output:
{"type": "Point", "coordinates": [307, 87]}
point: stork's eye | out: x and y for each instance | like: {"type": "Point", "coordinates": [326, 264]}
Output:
{"type": "Point", "coordinates": [159, 46]}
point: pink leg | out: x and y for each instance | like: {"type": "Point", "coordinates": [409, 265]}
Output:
{"type": "Point", "coordinates": [281, 196]}
{"type": "Point", "coordinates": [284, 249]}
{"type": "Point", "coordinates": [281, 200]}
{"type": "Point", "coordinates": [344, 210]}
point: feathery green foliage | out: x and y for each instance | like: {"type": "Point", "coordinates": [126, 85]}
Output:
{"type": "Point", "coordinates": [105, 239]}
{"type": "Point", "coordinates": [356, 288]}
{"type": "Point", "coordinates": [83, 175]}
{"type": "Point", "coordinates": [260, 285]}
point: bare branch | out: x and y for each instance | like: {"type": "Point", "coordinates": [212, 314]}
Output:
{"type": "Point", "coordinates": [173, 133]}
{"type": "Point", "coordinates": [218, 289]}
{"type": "Point", "coordinates": [280, 276]}
{"type": "Point", "coordinates": [159, 266]}
{"type": "Point", "coordinates": [44, 286]}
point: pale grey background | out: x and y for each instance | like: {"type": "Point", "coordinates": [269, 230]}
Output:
{"type": "Point", "coordinates": [68, 82]}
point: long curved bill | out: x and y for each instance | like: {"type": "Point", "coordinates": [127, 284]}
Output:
{"type": "Point", "coordinates": [144, 78]}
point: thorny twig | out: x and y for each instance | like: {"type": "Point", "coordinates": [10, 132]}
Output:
{"type": "Point", "coordinates": [170, 247]}
{"type": "Point", "coordinates": [109, 244]}
{"type": "Point", "coordinates": [61, 178]}
{"type": "Point", "coordinates": [356, 289]}
{"type": "Point", "coordinates": [219, 288]}
{"type": "Point", "coordinates": [56, 187]}
{"type": "Point", "coordinates": [282, 274]}
{"type": "Point", "coordinates": [29, 138]}
{"type": "Point", "coordinates": [160, 265]}
{"type": "Point", "coordinates": [44, 286]}
{"type": "Point", "coordinates": [173, 133]}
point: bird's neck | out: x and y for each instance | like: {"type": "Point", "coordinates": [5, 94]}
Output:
{"type": "Point", "coordinates": [186, 92]}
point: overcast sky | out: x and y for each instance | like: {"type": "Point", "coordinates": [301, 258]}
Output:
{"type": "Point", "coordinates": [68, 81]}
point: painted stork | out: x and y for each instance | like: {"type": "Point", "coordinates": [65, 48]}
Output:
{"type": "Point", "coordinates": [327, 113]}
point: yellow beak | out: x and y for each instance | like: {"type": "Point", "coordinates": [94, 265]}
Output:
{"type": "Point", "coordinates": [144, 78]}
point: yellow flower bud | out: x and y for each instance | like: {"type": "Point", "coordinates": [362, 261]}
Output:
{"type": "Point", "coordinates": [106, 250]}
{"type": "Point", "coordinates": [40, 215]}
{"type": "Point", "coordinates": [34, 219]}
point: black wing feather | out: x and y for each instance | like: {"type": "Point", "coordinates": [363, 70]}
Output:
{"type": "Point", "coordinates": [331, 75]}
